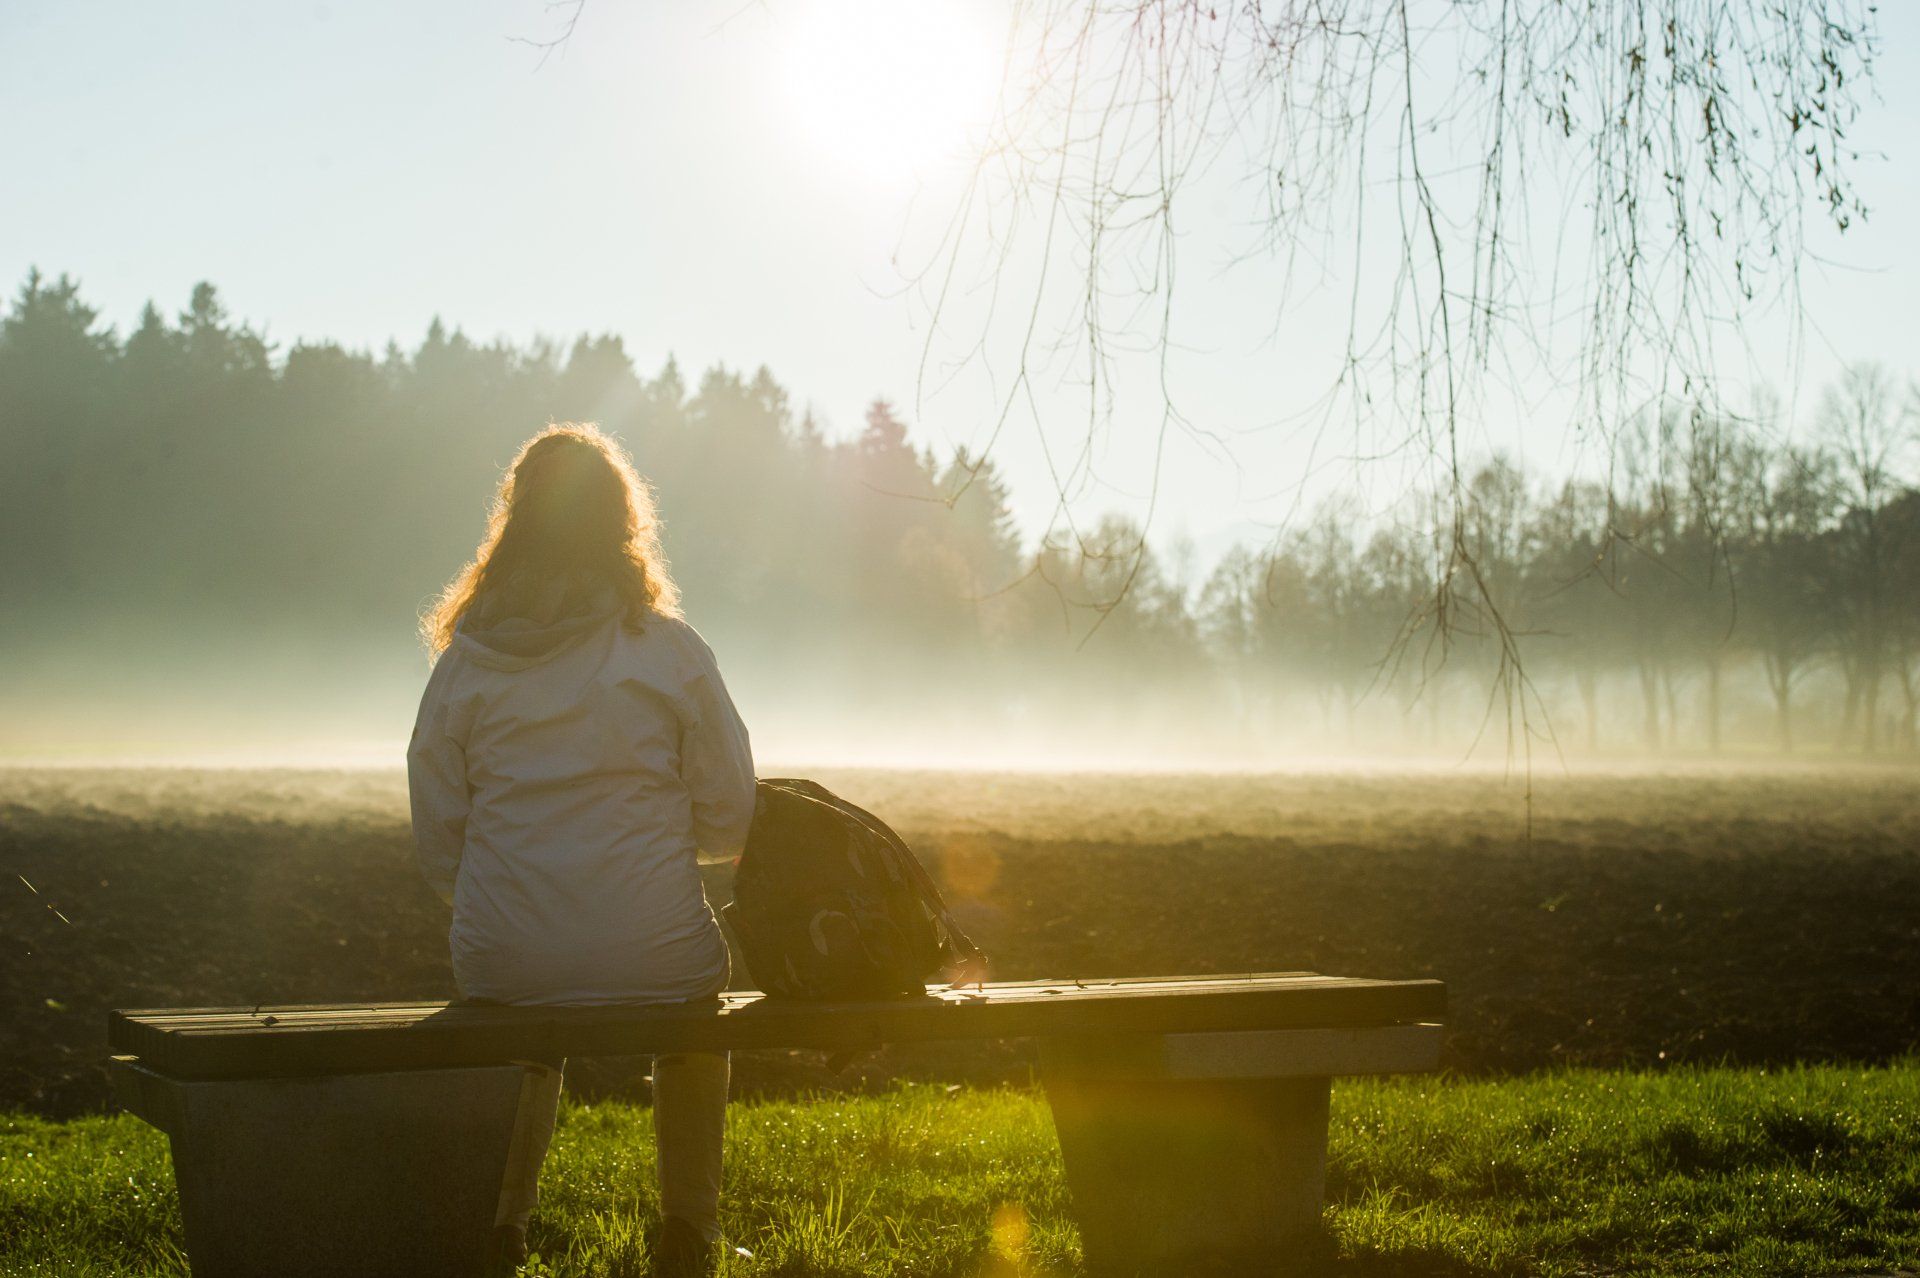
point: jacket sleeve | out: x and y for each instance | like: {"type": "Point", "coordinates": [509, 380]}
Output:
{"type": "Point", "coordinates": [716, 759]}
{"type": "Point", "coordinates": [437, 788]}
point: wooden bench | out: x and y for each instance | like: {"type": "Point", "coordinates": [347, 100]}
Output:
{"type": "Point", "coordinates": [1192, 1112]}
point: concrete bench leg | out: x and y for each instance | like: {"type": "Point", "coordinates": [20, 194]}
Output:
{"type": "Point", "coordinates": [1189, 1176]}
{"type": "Point", "coordinates": [1207, 1153]}
{"type": "Point", "coordinates": [368, 1175]}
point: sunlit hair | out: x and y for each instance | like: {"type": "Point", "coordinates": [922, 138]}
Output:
{"type": "Point", "coordinates": [571, 505]}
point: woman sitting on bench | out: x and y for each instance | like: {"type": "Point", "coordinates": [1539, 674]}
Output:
{"type": "Point", "coordinates": [575, 751]}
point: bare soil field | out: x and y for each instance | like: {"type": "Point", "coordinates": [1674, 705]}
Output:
{"type": "Point", "coordinates": [1631, 916]}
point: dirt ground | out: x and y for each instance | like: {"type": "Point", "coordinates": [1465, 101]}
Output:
{"type": "Point", "coordinates": [1646, 917]}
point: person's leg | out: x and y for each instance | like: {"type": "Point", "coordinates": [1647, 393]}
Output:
{"type": "Point", "coordinates": [689, 1125]}
{"type": "Point", "coordinates": [532, 1132]}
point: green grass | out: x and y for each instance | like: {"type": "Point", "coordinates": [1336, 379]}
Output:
{"type": "Point", "coordinates": [1806, 1171]}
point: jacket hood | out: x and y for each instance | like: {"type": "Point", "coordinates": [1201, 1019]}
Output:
{"type": "Point", "coordinates": [513, 629]}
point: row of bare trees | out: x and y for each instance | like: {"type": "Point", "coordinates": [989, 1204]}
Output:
{"type": "Point", "coordinates": [1722, 550]}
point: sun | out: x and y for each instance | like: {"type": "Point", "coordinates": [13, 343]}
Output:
{"type": "Point", "coordinates": [888, 90]}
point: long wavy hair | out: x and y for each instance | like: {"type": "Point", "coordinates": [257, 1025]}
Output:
{"type": "Point", "coordinates": [570, 508]}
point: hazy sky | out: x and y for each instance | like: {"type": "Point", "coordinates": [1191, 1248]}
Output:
{"type": "Point", "coordinates": [723, 181]}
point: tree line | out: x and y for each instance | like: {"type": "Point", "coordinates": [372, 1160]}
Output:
{"type": "Point", "coordinates": [191, 481]}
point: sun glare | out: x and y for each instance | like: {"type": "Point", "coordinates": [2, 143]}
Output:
{"type": "Point", "coordinates": [887, 90]}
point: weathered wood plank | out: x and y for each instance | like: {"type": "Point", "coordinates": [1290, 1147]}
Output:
{"type": "Point", "coordinates": [238, 1042]}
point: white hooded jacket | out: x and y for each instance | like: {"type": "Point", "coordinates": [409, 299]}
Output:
{"type": "Point", "coordinates": [566, 770]}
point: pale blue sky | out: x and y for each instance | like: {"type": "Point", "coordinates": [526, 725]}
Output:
{"type": "Point", "coordinates": [349, 169]}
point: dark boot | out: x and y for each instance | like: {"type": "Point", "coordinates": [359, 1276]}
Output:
{"type": "Point", "coordinates": [681, 1251]}
{"type": "Point", "coordinates": [507, 1251]}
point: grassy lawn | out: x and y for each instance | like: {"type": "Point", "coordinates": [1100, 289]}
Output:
{"type": "Point", "coordinates": [1803, 1171]}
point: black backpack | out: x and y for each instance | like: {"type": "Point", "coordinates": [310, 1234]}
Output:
{"type": "Point", "coordinates": [828, 903]}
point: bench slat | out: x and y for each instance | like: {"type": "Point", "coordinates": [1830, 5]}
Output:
{"type": "Point", "coordinates": [202, 1020]}
{"type": "Point", "coordinates": [247, 1042]}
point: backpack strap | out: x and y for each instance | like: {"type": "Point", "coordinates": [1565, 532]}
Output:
{"type": "Point", "coordinates": [958, 945]}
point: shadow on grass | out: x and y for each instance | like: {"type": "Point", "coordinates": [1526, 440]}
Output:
{"type": "Point", "coordinates": [1311, 1259]}
{"type": "Point", "coordinates": [1407, 1262]}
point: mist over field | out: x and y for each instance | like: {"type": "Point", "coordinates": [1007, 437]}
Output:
{"type": "Point", "coordinates": [216, 549]}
